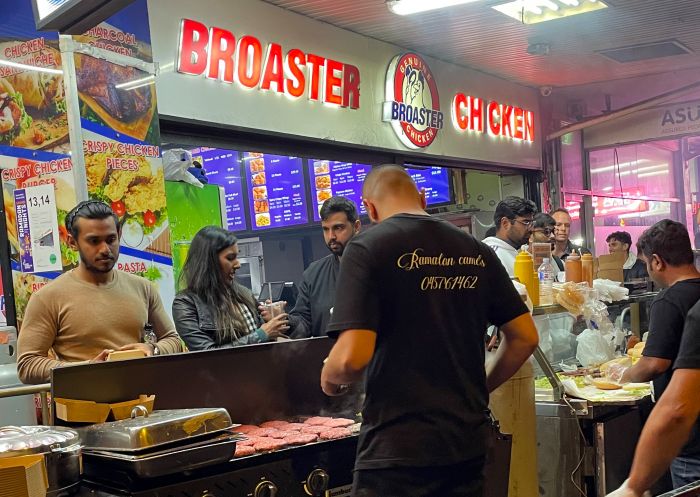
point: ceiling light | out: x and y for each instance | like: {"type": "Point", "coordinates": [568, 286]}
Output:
{"type": "Point", "coordinates": [406, 7]}
{"type": "Point", "coordinates": [534, 11]}
{"type": "Point", "coordinates": [28, 67]}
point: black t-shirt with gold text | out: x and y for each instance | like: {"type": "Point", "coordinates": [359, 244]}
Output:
{"type": "Point", "coordinates": [429, 291]}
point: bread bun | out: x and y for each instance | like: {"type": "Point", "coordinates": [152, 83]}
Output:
{"type": "Point", "coordinates": [605, 385]}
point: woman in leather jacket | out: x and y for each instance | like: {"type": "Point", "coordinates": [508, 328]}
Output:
{"type": "Point", "coordinates": [214, 311]}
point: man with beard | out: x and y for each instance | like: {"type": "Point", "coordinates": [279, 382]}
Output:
{"type": "Point", "coordinates": [513, 219]}
{"type": "Point", "coordinates": [340, 222]}
{"type": "Point", "coordinates": [92, 310]}
{"type": "Point", "coordinates": [543, 229]}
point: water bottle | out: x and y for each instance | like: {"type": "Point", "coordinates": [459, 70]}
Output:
{"type": "Point", "coordinates": [546, 277]}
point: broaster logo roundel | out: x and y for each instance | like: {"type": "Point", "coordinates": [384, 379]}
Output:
{"type": "Point", "coordinates": [412, 103]}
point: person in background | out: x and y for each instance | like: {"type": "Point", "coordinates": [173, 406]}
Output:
{"type": "Point", "coordinates": [418, 294]}
{"type": "Point", "coordinates": [633, 268]}
{"type": "Point", "coordinates": [92, 310]}
{"type": "Point", "coordinates": [543, 228]}
{"type": "Point", "coordinates": [490, 232]}
{"type": "Point", "coordinates": [198, 172]}
{"type": "Point", "coordinates": [673, 423]}
{"type": "Point", "coordinates": [669, 259]}
{"type": "Point", "coordinates": [562, 245]}
{"type": "Point", "coordinates": [513, 219]}
{"type": "Point", "coordinates": [214, 310]}
{"type": "Point", "coordinates": [317, 290]}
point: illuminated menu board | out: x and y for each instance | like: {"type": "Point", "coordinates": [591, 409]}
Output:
{"type": "Point", "coordinates": [275, 190]}
{"type": "Point", "coordinates": [435, 181]}
{"type": "Point", "coordinates": [222, 168]}
{"type": "Point", "coordinates": [336, 179]}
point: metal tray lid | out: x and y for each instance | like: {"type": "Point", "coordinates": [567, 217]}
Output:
{"type": "Point", "coordinates": [154, 429]}
{"type": "Point", "coordinates": [25, 440]}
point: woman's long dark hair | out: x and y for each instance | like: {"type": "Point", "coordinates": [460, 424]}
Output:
{"type": "Point", "coordinates": [202, 276]}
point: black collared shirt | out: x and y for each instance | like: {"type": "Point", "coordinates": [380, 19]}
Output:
{"type": "Point", "coordinates": [311, 314]}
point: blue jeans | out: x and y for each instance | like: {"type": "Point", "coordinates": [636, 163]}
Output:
{"type": "Point", "coordinates": [685, 470]}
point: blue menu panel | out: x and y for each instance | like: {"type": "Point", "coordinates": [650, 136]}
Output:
{"type": "Point", "coordinates": [435, 181]}
{"type": "Point", "coordinates": [223, 169]}
{"type": "Point", "coordinates": [275, 190]}
{"type": "Point", "coordinates": [336, 179]}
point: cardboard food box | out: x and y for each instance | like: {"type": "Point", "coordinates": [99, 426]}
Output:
{"type": "Point", "coordinates": [23, 476]}
{"type": "Point", "coordinates": [610, 267]}
{"type": "Point", "coordinates": [86, 411]}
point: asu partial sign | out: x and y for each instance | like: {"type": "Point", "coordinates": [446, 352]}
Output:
{"type": "Point", "coordinates": [412, 103]}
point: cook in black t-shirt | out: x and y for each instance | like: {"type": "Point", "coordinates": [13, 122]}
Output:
{"type": "Point", "coordinates": [428, 291]}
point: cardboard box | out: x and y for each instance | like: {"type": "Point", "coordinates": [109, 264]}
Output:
{"type": "Point", "coordinates": [23, 476]}
{"type": "Point", "coordinates": [610, 267]}
{"type": "Point", "coordinates": [86, 411]}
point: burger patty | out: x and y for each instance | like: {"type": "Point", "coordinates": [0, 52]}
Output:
{"type": "Point", "coordinates": [335, 433]}
{"type": "Point", "coordinates": [243, 450]}
{"type": "Point", "coordinates": [282, 434]}
{"type": "Point", "coordinates": [248, 441]}
{"type": "Point", "coordinates": [278, 425]}
{"type": "Point", "coordinates": [262, 432]}
{"type": "Point", "coordinates": [294, 426]}
{"type": "Point", "coordinates": [339, 423]}
{"type": "Point", "coordinates": [245, 428]}
{"type": "Point", "coordinates": [301, 439]}
{"type": "Point", "coordinates": [269, 444]}
{"type": "Point", "coordinates": [317, 420]}
{"type": "Point", "coordinates": [314, 429]}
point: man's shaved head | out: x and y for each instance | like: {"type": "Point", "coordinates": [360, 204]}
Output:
{"type": "Point", "coordinates": [389, 189]}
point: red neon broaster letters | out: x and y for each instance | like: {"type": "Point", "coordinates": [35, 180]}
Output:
{"type": "Point", "coordinates": [215, 53]}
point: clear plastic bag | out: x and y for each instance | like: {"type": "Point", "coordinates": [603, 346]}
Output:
{"type": "Point", "coordinates": [176, 161]}
{"type": "Point", "coordinates": [594, 348]}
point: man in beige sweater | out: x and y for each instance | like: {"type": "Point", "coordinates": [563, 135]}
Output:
{"type": "Point", "coordinates": [92, 310]}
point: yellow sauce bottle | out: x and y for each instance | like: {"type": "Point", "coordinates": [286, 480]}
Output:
{"type": "Point", "coordinates": [524, 269]}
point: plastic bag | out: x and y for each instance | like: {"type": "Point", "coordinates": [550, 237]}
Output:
{"type": "Point", "coordinates": [610, 291]}
{"type": "Point", "coordinates": [594, 348]}
{"type": "Point", "coordinates": [176, 161]}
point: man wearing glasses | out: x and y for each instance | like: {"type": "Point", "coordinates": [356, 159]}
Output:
{"type": "Point", "coordinates": [513, 219]}
{"type": "Point", "coordinates": [543, 230]}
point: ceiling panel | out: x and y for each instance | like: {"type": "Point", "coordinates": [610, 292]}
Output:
{"type": "Point", "coordinates": [477, 36]}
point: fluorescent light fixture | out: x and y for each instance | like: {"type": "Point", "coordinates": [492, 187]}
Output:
{"type": "Point", "coordinates": [407, 7]}
{"type": "Point", "coordinates": [534, 11]}
{"type": "Point", "coordinates": [27, 67]}
{"type": "Point", "coordinates": [653, 173]}
{"type": "Point", "coordinates": [621, 165]}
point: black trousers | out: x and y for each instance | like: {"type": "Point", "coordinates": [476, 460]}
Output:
{"type": "Point", "coordinates": [456, 480]}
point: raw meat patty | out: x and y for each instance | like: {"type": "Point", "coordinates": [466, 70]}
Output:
{"type": "Point", "coordinates": [339, 423]}
{"type": "Point", "coordinates": [262, 432]}
{"type": "Point", "coordinates": [317, 420]}
{"type": "Point", "coordinates": [314, 430]}
{"type": "Point", "coordinates": [294, 426]}
{"type": "Point", "coordinates": [301, 439]}
{"type": "Point", "coordinates": [278, 425]}
{"type": "Point", "coordinates": [243, 450]}
{"type": "Point", "coordinates": [335, 433]}
{"type": "Point", "coordinates": [248, 441]}
{"type": "Point", "coordinates": [282, 434]}
{"type": "Point", "coordinates": [245, 428]}
{"type": "Point", "coordinates": [268, 444]}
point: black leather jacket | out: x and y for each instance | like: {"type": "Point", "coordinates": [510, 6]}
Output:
{"type": "Point", "coordinates": [194, 321]}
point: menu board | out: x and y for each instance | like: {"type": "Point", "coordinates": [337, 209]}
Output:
{"type": "Point", "coordinates": [435, 181]}
{"type": "Point", "coordinates": [275, 190]}
{"type": "Point", "coordinates": [332, 179]}
{"type": "Point", "coordinates": [223, 169]}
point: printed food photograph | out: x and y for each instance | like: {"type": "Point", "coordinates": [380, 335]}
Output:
{"type": "Point", "coordinates": [255, 154]}
{"type": "Point", "coordinates": [323, 182]}
{"type": "Point", "coordinates": [119, 97]}
{"type": "Point", "coordinates": [323, 195]}
{"type": "Point", "coordinates": [259, 192]}
{"type": "Point", "coordinates": [25, 284]}
{"type": "Point", "coordinates": [259, 179]}
{"type": "Point", "coordinates": [262, 220]}
{"type": "Point", "coordinates": [261, 206]}
{"type": "Point", "coordinates": [321, 167]}
{"type": "Point", "coordinates": [33, 105]}
{"type": "Point", "coordinates": [257, 165]}
{"type": "Point", "coordinates": [137, 197]}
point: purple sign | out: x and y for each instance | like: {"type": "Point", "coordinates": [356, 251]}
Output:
{"type": "Point", "coordinates": [25, 241]}
{"type": "Point", "coordinates": [435, 181]}
{"type": "Point", "coordinates": [223, 169]}
{"type": "Point", "coordinates": [275, 190]}
{"type": "Point", "coordinates": [336, 179]}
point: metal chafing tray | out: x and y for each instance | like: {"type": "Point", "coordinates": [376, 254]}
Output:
{"type": "Point", "coordinates": [157, 429]}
